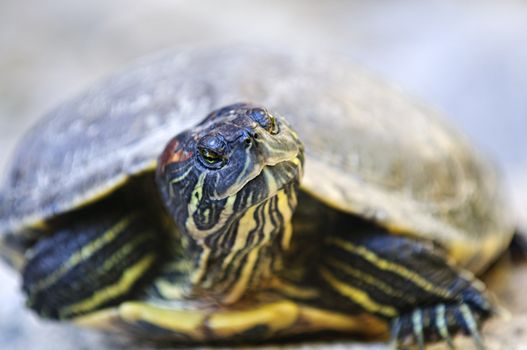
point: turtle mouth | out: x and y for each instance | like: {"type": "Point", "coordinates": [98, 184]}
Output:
{"type": "Point", "coordinates": [268, 179]}
{"type": "Point", "coordinates": [279, 175]}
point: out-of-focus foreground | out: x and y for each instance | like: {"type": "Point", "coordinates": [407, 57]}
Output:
{"type": "Point", "coordinates": [466, 58]}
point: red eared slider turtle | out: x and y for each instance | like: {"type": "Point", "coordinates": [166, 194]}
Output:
{"type": "Point", "coordinates": [146, 205]}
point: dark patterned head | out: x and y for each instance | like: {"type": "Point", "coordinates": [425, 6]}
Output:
{"type": "Point", "coordinates": [237, 158]}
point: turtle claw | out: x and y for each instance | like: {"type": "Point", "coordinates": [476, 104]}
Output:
{"type": "Point", "coordinates": [417, 322]}
{"type": "Point", "coordinates": [471, 325]}
{"type": "Point", "coordinates": [438, 323]}
{"type": "Point", "coordinates": [395, 329]}
{"type": "Point", "coordinates": [442, 327]}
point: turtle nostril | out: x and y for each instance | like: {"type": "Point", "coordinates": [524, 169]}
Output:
{"type": "Point", "coordinates": [247, 141]}
{"type": "Point", "coordinates": [249, 137]}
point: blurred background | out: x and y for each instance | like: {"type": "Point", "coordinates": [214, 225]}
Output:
{"type": "Point", "coordinates": [465, 58]}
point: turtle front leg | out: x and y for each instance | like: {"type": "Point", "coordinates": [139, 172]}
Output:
{"type": "Point", "coordinates": [90, 261]}
{"type": "Point", "coordinates": [405, 281]}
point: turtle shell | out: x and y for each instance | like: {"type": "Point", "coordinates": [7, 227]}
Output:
{"type": "Point", "coordinates": [370, 150]}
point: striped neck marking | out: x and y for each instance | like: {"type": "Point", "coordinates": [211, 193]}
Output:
{"type": "Point", "coordinates": [244, 254]}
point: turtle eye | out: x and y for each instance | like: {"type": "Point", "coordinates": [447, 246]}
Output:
{"type": "Point", "coordinates": [212, 151]}
{"type": "Point", "coordinates": [209, 156]}
{"type": "Point", "coordinates": [265, 119]}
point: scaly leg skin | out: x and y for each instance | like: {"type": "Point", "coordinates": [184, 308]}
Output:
{"type": "Point", "coordinates": [93, 261]}
{"type": "Point", "coordinates": [405, 281]}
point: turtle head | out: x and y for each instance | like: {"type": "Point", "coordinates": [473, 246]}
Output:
{"type": "Point", "coordinates": [214, 177]}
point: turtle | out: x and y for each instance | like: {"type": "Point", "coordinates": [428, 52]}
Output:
{"type": "Point", "coordinates": [240, 194]}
